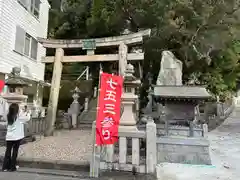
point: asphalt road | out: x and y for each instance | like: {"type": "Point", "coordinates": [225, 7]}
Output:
{"type": "Point", "coordinates": [39, 176]}
{"type": "Point", "coordinates": [32, 176]}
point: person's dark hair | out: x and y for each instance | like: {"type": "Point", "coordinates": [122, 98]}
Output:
{"type": "Point", "coordinates": [12, 113]}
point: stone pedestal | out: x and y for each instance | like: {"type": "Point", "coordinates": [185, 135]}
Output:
{"type": "Point", "coordinates": [128, 118]}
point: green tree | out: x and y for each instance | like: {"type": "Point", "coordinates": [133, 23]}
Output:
{"type": "Point", "coordinates": [221, 76]}
{"type": "Point", "coordinates": [200, 33]}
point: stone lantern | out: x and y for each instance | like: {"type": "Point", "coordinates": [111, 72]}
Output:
{"type": "Point", "coordinates": [14, 94]}
{"type": "Point", "coordinates": [15, 86]}
{"type": "Point", "coordinates": [129, 99]}
{"type": "Point", "coordinates": [75, 106]}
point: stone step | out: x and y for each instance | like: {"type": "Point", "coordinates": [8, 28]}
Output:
{"type": "Point", "coordinates": [93, 103]}
{"type": "Point", "coordinates": [84, 126]}
{"type": "Point", "coordinates": [87, 117]}
{"type": "Point", "coordinates": [87, 121]}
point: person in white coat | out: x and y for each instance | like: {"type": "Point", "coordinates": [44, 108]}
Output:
{"type": "Point", "coordinates": [15, 133]}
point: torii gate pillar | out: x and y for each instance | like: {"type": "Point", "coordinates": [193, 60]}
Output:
{"type": "Point", "coordinates": [54, 93]}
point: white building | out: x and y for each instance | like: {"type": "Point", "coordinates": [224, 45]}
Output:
{"type": "Point", "coordinates": [21, 22]}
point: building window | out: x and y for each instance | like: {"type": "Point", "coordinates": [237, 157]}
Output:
{"type": "Point", "coordinates": [33, 6]}
{"type": "Point", "coordinates": [34, 48]}
{"type": "Point", "coordinates": [24, 3]}
{"type": "Point", "coordinates": [25, 44]}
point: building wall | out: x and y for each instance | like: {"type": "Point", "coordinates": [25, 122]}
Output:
{"type": "Point", "coordinates": [2, 76]}
{"type": "Point", "coordinates": [34, 93]}
{"type": "Point", "coordinates": [13, 14]}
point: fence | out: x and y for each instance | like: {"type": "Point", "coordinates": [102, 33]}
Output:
{"type": "Point", "coordinates": [36, 126]}
{"type": "Point", "coordinates": [223, 110]}
{"type": "Point", "coordinates": [182, 131]}
{"type": "Point", "coordinates": [128, 154]}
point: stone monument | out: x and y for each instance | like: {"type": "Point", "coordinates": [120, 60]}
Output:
{"type": "Point", "coordinates": [180, 139]}
{"type": "Point", "coordinates": [171, 70]}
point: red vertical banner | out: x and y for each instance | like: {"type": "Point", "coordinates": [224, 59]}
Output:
{"type": "Point", "coordinates": [2, 84]}
{"type": "Point", "coordinates": [109, 106]}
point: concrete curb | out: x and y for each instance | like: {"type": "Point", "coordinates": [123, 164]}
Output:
{"type": "Point", "coordinates": [40, 163]}
{"type": "Point", "coordinates": [59, 173]}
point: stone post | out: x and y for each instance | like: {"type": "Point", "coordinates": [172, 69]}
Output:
{"type": "Point", "coordinates": [95, 92]}
{"type": "Point", "coordinates": [165, 120]}
{"type": "Point", "coordinates": [151, 144]}
{"type": "Point", "coordinates": [220, 110]}
{"type": "Point", "coordinates": [95, 159]}
{"type": "Point", "coordinates": [86, 102]}
{"type": "Point", "coordinates": [237, 99]}
{"type": "Point", "coordinates": [54, 93]}
{"type": "Point", "coordinates": [205, 130]}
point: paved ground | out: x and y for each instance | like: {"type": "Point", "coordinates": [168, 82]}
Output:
{"type": "Point", "coordinates": [74, 145]}
{"type": "Point", "coordinates": [41, 174]}
{"type": "Point", "coordinates": [225, 145]}
{"type": "Point", "coordinates": [31, 176]}
{"type": "Point", "coordinates": [224, 151]}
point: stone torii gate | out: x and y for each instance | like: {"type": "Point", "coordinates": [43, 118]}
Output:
{"type": "Point", "coordinates": [122, 42]}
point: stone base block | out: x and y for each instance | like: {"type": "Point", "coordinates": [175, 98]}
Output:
{"type": "Point", "coordinates": [184, 150]}
{"type": "Point", "coordinates": [171, 171]}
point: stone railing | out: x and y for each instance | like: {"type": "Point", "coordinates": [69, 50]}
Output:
{"type": "Point", "coordinates": [36, 126]}
{"type": "Point", "coordinates": [182, 131]}
{"type": "Point", "coordinates": [141, 149]}
{"type": "Point", "coordinates": [184, 150]}
{"type": "Point", "coordinates": [223, 111]}
{"type": "Point", "coordinates": [129, 156]}
{"type": "Point", "coordinates": [228, 109]}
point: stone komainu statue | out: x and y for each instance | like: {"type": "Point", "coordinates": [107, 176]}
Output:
{"type": "Point", "coordinates": [170, 73]}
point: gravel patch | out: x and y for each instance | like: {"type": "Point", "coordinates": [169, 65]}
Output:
{"type": "Point", "coordinates": [74, 145]}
